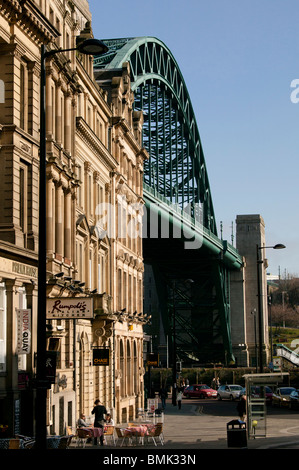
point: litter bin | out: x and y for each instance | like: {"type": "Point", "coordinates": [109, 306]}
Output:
{"type": "Point", "coordinates": [236, 434]}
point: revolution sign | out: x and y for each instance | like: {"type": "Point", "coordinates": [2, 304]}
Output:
{"type": "Point", "coordinates": [24, 331]}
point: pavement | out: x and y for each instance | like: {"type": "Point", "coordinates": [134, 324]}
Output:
{"type": "Point", "coordinates": [196, 428]}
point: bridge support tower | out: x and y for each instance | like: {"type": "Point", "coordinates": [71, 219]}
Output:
{"type": "Point", "coordinates": [250, 233]}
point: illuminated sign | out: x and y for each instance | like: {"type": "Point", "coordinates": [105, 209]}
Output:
{"type": "Point", "coordinates": [153, 360]}
{"type": "Point", "coordinates": [101, 356]}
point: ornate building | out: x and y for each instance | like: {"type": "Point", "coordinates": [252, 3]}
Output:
{"type": "Point", "coordinates": [93, 220]}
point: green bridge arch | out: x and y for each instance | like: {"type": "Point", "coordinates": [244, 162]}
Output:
{"type": "Point", "coordinates": [176, 167]}
{"type": "Point", "coordinates": [176, 178]}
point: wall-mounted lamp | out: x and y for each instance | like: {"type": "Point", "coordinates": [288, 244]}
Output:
{"type": "Point", "coordinates": [58, 275]}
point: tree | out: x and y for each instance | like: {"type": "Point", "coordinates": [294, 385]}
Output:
{"type": "Point", "coordinates": [284, 316]}
{"type": "Point", "coordinates": [284, 308]}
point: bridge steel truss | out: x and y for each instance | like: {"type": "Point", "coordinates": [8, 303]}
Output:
{"type": "Point", "coordinates": [177, 190]}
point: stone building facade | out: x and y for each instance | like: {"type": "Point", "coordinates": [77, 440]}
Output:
{"type": "Point", "coordinates": [93, 218]}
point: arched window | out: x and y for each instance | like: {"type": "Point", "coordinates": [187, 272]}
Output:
{"type": "Point", "coordinates": [135, 372]}
{"type": "Point", "coordinates": [129, 369]}
{"type": "Point", "coordinates": [122, 369]}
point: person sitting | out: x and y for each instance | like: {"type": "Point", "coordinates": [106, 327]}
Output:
{"type": "Point", "coordinates": [81, 421]}
{"type": "Point", "coordinates": [109, 420]}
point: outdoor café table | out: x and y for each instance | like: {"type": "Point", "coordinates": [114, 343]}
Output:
{"type": "Point", "coordinates": [94, 432]}
{"type": "Point", "coordinates": [149, 426]}
{"type": "Point", "coordinates": [138, 430]}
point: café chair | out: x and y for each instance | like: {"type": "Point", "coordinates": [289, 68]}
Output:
{"type": "Point", "coordinates": [157, 433]}
{"type": "Point", "coordinates": [121, 436]}
{"type": "Point", "coordinates": [109, 433]}
{"type": "Point", "coordinates": [82, 437]}
{"type": "Point", "coordinates": [65, 442]}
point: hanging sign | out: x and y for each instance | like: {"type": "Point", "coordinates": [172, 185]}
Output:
{"type": "Point", "coordinates": [76, 307]}
{"type": "Point", "coordinates": [24, 331]}
{"type": "Point", "coordinates": [101, 356]}
{"type": "Point", "coordinates": [153, 359]}
{"type": "Point", "coordinates": [50, 367]}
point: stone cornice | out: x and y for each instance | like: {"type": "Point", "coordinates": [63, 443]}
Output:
{"type": "Point", "coordinates": [30, 19]}
{"type": "Point", "coordinates": [10, 250]}
{"type": "Point", "coordinates": [91, 86]}
{"type": "Point", "coordinates": [94, 143]}
{"type": "Point", "coordinates": [128, 135]}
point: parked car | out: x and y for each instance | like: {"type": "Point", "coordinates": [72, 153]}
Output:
{"type": "Point", "coordinates": [256, 393]}
{"type": "Point", "coordinates": [199, 391]}
{"type": "Point", "coordinates": [294, 399]}
{"type": "Point", "coordinates": [230, 392]}
{"type": "Point", "coordinates": [281, 396]}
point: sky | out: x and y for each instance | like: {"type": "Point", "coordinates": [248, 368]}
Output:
{"type": "Point", "coordinates": [240, 63]}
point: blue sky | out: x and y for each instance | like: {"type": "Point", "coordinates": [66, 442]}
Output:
{"type": "Point", "coordinates": [238, 59]}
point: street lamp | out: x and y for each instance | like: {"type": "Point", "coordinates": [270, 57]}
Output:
{"type": "Point", "coordinates": [255, 343]}
{"type": "Point", "coordinates": [174, 371]}
{"type": "Point", "coordinates": [259, 261]}
{"type": "Point", "coordinates": [271, 332]}
{"type": "Point", "coordinates": [90, 47]}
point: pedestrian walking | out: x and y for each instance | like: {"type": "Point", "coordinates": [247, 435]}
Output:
{"type": "Point", "coordinates": [99, 411]}
{"type": "Point", "coordinates": [241, 408]}
{"type": "Point", "coordinates": [163, 395]}
{"type": "Point", "coordinates": [179, 399]}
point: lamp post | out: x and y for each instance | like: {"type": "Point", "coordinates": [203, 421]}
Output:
{"type": "Point", "coordinates": [271, 333]}
{"type": "Point", "coordinates": [259, 261]}
{"type": "Point", "coordinates": [174, 371]}
{"type": "Point", "coordinates": [255, 343]}
{"type": "Point", "coordinates": [90, 47]}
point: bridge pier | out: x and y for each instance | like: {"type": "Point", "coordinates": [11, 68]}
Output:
{"type": "Point", "coordinates": [250, 233]}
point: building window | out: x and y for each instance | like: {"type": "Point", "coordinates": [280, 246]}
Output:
{"type": "Point", "coordinates": [23, 97]}
{"type": "Point", "coordinates": [122, 369]}
{"type": "Point", "coordinates": [2, 91]}
{"type": "Point", "coordinates": [3, 321]}
{"type": "Point", "coordinates": [80, 260]}
{"type": "Point", "coordinates": [119, 290]}
{"type": "Point", "coordinates": [70, 413]}
{"type": "Point", "coordinates": [25, 187]}
{"type": "Point", "coordinates": [80, 186]}
{"type": "Point", "coordinates": [99, 277]}
{"type": "Point", "coordinates": [23, 197]}
{"type": "Point", "coordinates": [55, 345]}
{"type": "Point", "coordinates": [26, 95]}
